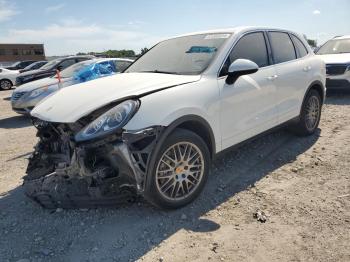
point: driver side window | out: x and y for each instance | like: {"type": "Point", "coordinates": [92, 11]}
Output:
{"type": "Point", "coordinates": [66, 64]}
{"type": "Point", "coordinates": [251, 46]}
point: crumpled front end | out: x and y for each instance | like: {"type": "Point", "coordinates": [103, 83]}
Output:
{"type": "Point", "coordinates": [103, 172]}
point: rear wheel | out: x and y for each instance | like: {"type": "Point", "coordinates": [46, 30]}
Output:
{"type": "Point", "coordinates": [180, 171]}
{"type": "Point", "coordinates": [5, 84]}
{"type": "Point", "coordinates": [310, 114]}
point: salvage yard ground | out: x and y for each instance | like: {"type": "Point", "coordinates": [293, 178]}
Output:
{"type": "Point", "coordinates": [301, 184]}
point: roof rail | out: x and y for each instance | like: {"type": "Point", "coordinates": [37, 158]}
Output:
{"type": "Point", "coordinates": [337, 36]}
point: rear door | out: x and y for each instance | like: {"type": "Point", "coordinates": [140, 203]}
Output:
{"type": "Point", "coordinates": [291, 75]}
{"type": "Point", "coordinates": [248, 107]}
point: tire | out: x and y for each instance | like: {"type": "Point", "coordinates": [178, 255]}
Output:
{"type": "Point", "coordinates": [171, 176]}
{"type": "Point", "coordinates": [310, 114]}
{"type": "Point", "coordinates": [5, 84]}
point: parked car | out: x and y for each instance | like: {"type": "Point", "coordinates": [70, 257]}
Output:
{"type": "Point", "coordinates": [20, 65]}
{"type": "Point", "coordinates": [50, 69]}
{"type": "Point", "coordinates": [155, 128]}
{"type": "Point", "coordinates": [25, 97]}
{"type": "Point", "coordinates": [336, 54]}
{"type": "Point", "coordinates": [33, 66]}
{"type": "Point", "coordinates": [7, 78]}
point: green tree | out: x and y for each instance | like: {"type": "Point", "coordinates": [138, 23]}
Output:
{"type": "Point", "coordinates": [312, 42]}
{"type": "Point", "coordinates": [144, 50]}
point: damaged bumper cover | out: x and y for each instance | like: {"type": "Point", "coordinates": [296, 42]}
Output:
{"type": "Point", "coordinates": [105, 172]}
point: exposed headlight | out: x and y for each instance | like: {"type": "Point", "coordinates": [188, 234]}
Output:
{"type": "Point", "coordinates": [113, 119]}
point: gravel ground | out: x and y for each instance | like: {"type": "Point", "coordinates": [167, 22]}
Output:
{"type": "Point", "coordinates": [301, 186]}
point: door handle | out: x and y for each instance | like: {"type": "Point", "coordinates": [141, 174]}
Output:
{"type": "Point", "coordinates": [307, 68]}
{"type": "Point", "coordinates": [272, 78]}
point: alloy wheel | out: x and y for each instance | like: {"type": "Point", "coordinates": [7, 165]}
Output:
{"type": "Point", "coordinates": [179, 171]}
{"type": "Point", "coordinates": [5, 84]}
{"type": "Point", "coordinates": [312, 112]}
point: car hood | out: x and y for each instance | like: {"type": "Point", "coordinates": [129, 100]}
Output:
{"type": "Point", "coordinates": [336, 58]}
{"type": "Point", "coordinates": [70, 104]}
{"type": "Point", "coordinates": [37, 84]}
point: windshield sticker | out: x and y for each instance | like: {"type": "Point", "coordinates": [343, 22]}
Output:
{"type": "Point", "coordinates": [201, 49]}
{"type": "Point", "coordinates": [216, 36]}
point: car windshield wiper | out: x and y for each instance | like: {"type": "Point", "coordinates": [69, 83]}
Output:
{"type": "Point", "coordinates": [160, 72]}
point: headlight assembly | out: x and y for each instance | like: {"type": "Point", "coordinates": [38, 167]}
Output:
{"type": "Point", "coordinates": [108, 122]}
{"type": "Point", "coordinates": [36, 92]}
{"type": "Point", "coordinates": [25, 78]}
{"type": "Point", "coordinates": [39, 91]}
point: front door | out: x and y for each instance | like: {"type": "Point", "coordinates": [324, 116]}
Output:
{"type": "Point", "coordinates": [248, 107]}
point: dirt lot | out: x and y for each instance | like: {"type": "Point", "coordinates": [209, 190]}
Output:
{"type": "Point", "coordinates": [301, 184]}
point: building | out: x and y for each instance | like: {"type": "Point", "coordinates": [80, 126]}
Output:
{"type": "Point", "coordinates": [10, 53]}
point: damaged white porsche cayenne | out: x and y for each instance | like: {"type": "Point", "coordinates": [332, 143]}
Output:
{"type": "Point", "coordinates": [153, 130]}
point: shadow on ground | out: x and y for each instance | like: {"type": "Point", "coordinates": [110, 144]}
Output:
{"type": "Point", "coordinates": [15, 122]}
{"type": "Point", "coordinates": [129, 232]}
{"type": "Point", "coordinates": [338, 97]}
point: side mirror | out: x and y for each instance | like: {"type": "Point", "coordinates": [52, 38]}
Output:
{"type": "Point", "coordinates": [239, 68]}
{"type": "Point", "coordinates": [59, 68]}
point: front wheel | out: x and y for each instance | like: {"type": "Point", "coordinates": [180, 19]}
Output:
{"type": "Point", "coordinates": [310, 114]}
{"type": "Point", "coordinates": [180, 171]}
{"type": "Point", "coordinates": [5, 84]}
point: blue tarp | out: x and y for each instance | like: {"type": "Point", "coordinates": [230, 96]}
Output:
{"type": "Point", "coordinates": [95, 71]}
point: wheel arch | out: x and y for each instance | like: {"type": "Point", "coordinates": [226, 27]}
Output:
{"type": "Point", "coordinates": [191, 123]}
{"type": "Point", "coordinates": [319, 87]}
{"type": "Point", "coordinates": [197, 125]}
{"type": "Point", "coordinates": [4, 79]}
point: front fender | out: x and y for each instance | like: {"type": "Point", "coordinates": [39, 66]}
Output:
{"type": "Point", "coordinates": [164, 107]}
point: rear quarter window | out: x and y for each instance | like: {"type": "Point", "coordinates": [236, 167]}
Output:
{"type": "Point", "coordinates": [282, 47]}
{"type": "Point", "coordinates": [300, 47]}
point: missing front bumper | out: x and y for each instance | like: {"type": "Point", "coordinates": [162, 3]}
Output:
{"type": "Point", "coordinates": [103, 173]}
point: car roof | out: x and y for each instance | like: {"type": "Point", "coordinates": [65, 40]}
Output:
{"type": "Point", "coordinates": [342, 37]}
{"type": "Point", "coordinates": [234, 30]}
{"type": "Point", "coordinates": [112, 59]}
{"type": "Point", "coordinates": [74, 56]}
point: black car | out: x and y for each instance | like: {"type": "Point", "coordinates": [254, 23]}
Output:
{"type": "Point", "coordinates": [20, 65]}
{"type": "Point", "coordinates": [50, 69]}
{"type": "Point", "coordinates": [33, 66]}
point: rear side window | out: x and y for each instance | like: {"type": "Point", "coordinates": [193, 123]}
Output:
{"type": "Point", "coordinates": [299, 46]}
{"type": "Point", "coordinates": [252, 47]}
{"type": "Point", "coordinates": [122, 65]}
{"type": "Point", "coordinates": [282, 47]}
{"type": "Point", "coordinates": [67, 63]}
{"type": "Point", "coordinates": [82, 59]}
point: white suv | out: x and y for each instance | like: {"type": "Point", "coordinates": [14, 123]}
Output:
{"type": "Point", "coordinates": [336, 54]}
{"type": "Point", "coordinates": [154, 129]}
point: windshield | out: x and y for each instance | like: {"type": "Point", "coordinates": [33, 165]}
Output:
{"type": "Point", "coordinates": [188, 55]}
{"type": "Point", "coordinates": [339, 46]}
{"type": "Point", "coordinates": [70, 71]}
{"type": "Point", "coordinates": [16, 64]}
{"type": "Point", "coordinates": [35, 65]}
{"type": "Point", "coordinates": [51, 64]}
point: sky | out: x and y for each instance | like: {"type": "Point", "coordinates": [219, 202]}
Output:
{"type": "Point", "coordinates": [68, 27]}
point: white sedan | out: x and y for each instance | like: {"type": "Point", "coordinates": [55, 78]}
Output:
{"type": "Point", "coordinates": [155, 128]}
{"type": "Point", "coordinates": [7, 78]}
